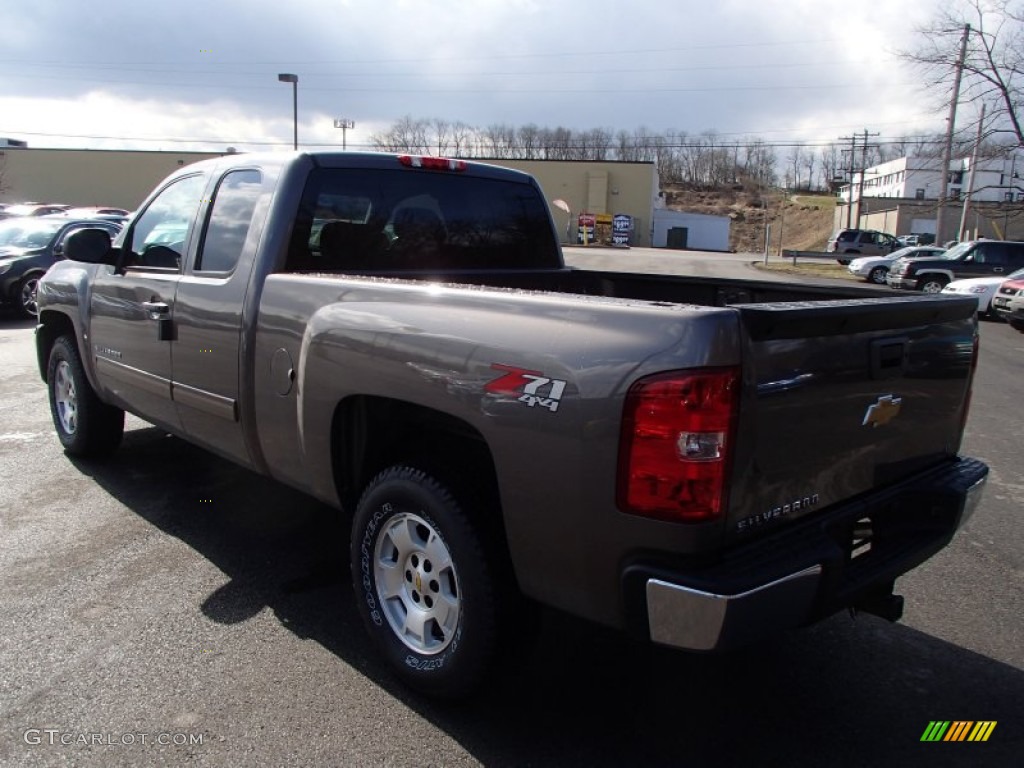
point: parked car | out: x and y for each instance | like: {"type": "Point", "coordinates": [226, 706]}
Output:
{"type": "Point", "coordinates": [975, 258]}
{"type": "Point", "coordinates": [1008, 301]}
{"type": "Point", "coordinates": [864, 241]}
{"type": "Point", "coordinates": [94, 211]}
{"type": "Point", "coordinates": [875, 269]}
{"type": "Point", "coordinates": [982, 288]}
{"type": "Point", "coordinates": [922, 238]}
{"type": "Point", "coordinates": [34, 209]}
{"type": "Point", "coordinates": [28, 247]}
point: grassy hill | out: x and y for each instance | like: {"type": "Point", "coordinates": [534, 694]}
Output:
{"type": "Point", "coordinates": [803, 221]}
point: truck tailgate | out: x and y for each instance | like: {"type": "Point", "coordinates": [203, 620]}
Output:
{"type": "Point", "coordinates": [842, 397]}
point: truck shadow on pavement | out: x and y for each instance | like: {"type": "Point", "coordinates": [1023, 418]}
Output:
{"type": "Point", "coordinates": [845, 692]}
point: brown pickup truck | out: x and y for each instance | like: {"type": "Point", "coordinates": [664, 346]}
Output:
{"type": "Point", "coordinates": [698, 462]}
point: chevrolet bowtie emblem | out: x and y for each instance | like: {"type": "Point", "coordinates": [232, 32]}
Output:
{"type": "Point", "coordinates": [883, 411]}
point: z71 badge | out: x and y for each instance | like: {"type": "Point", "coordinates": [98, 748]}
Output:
{"type": "Point", "coordinates": [530, 387]}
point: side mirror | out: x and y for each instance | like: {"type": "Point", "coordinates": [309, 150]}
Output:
{"type": "Point", "coordinates": [89, 245]}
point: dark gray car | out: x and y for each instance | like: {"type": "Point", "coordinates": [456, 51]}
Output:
{"type": "Point", "coordinates": [28, 247]}
{"type": "Point", "coordinates": [976, 258]}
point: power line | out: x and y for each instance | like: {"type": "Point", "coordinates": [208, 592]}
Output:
{"type": "Point", "coordinates": [488, 57]}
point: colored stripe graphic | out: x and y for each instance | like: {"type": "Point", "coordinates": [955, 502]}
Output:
{"type": "Point", "coordinates": [958, 730]}
{"type": "Point", "coordinates": [982, 730]}
{"type": "Point", "coordinates": [935, 731]}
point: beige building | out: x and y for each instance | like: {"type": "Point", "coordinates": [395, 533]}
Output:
{"type": "Point", "coordinates": [123, 178]}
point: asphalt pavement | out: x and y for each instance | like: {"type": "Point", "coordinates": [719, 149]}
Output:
{"type": "Point", "coordinates": [167, 608]}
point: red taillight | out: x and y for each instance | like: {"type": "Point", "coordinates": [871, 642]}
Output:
{"type": "Point", "coordinates": [432, 163]}
{"type": "Point", "coordinates": [676, 442]}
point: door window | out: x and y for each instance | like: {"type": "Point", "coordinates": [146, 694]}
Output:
{"type": "Point", "coordinates": [230, 217]}
{"type": "Point", "coordinates": [160, 234]}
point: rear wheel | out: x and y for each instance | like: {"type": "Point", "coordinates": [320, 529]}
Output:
{"type": "Point", "coordinates": [932, 284]}
{"type": "Point", "coordinates": [878, 275]}
{"type": "Point", "coordinates": [85, 425]}
{"type": "Point", "coordinates": [425, 583]}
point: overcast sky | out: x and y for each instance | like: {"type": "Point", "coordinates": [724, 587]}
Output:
{"type": "Point", "coordinates": [203, 75]}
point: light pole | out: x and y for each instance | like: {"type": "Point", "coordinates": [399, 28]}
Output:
{"type": "Point", "coordinates": [294, 80]}
{"type": "Point", "coordinates": [345, 126]}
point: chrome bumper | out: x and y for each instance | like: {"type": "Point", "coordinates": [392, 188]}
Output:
{"type": "Point", "coordinates": [689, 618]}
{"type": "Point", "coordinates": [699, 620]}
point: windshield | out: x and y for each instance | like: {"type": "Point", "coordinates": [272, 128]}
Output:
{"type": "Point", "coordinates": [28, 233]}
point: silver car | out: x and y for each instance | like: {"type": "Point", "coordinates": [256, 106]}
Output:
{"type": "Point", "coordinates": [875, 269]}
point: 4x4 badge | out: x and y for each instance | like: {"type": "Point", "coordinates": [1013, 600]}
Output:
{"type": "Point", "coordinates": [884, 410]}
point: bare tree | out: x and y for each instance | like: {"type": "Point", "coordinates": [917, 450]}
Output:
{"type": "Point", "coordinates": [463, 136]}
{"type": "Point", "coordinates": [529, 142]}
{"type": "Point", "coordinates": [406, 135]}
{"type": "Point", "coordinates": [993, 62]}
{"type": "Point", "coordinates": [831, 167]}
{"type": "Point", "coordinates": [442, 134]}
{"type": "Point", "coordinates": [796, 163]}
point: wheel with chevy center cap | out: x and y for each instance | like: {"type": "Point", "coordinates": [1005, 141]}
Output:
{"type": "Point", "coordinates": [878, 275]}
{"type": "Point", "coordinates": [86, 426]}
{"type": "Point", "coordinates": [932, 283]}
{"type": "Point", "coordinates": [425, 583]}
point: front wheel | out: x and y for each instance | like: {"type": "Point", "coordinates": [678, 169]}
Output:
{"type": "Point", "coordinates": [85, 425]}
{"type": "Point", "coordinates": [931, 284]}
{"type": "Point", "coordinates": [424, 586]}
{"type": "Point", "coordinates": [1018, 325]}
{"type": "Point", "coordinates": [878, 275]}
{"type": "Point", "coordinates": [27, 292]}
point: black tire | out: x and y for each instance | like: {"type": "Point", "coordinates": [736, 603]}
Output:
{"type": "Point", "coordinates": [1017, 325]}
{"type": "Point", "coordinates": [409, 526]}
{"type": "Point", "coordinates": [26, 295]}
{"type": "Point", "coordinates": [86, 426]}
{"type": "Point", "coordinates": [878, 275]}
{"type": "Point", "coordinates": [932, 283]}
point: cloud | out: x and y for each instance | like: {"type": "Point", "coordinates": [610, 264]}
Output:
{"type": "Point", "coordinates": [208, 70]}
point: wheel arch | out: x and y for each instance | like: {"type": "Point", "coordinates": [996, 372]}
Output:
{"type": "Point", "coordinates": [371, 433]}
{"type": "Point", "coordinates": [929, 272]}
{"type": "Point", "coordinates": [52, 325]}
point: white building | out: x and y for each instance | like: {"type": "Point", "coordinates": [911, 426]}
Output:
{"type": "Point", "coordinates": [690, 231]}
{"type": "Point", "coordinates": [918, 178]}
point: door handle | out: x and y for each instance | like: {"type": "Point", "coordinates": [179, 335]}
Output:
{"type": "Point", "coordinates": [156, 310]}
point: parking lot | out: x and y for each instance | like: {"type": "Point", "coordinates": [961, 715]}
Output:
{"type": "Point", "coordinates": [165, 607]}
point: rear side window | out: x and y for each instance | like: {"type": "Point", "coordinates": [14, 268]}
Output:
{"type": "Point", "coordinates": [230, 216]}
{"type": "Point", "coordinates": [847, 236]}
{"type": "Point", "coordinates": [382, 220]}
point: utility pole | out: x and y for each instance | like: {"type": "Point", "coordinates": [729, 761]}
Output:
{"type": "Point", "coordinates": [970, 178]}
{"type": "Point", "coordinates": [863, 173]}
{"type": "Point", "coordinates": [849, 178]}
{"type": "Point", "coordinates": [947, 147]}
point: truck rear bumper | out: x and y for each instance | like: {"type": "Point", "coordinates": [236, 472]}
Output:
{"type": "Point", "coordinates": [813, 569]}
